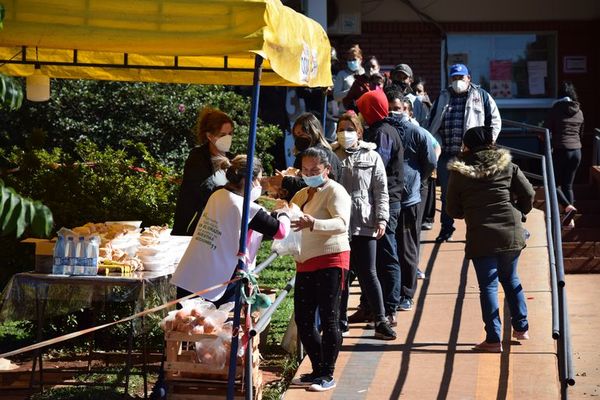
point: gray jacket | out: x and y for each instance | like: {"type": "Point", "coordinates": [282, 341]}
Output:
{"type": "Point", "coordinates": [480, 110]}
{"type": "Point", "coordinates": [364, 177]}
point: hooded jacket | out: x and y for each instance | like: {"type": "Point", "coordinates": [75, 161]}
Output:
{"type": "Point", "coordinates": [363, 176]}
{"type": "Point", "coordinates": [419, 160]}
{"type": "Point", "coordinates": [382, 131]}
{"type": "Point", "coordinates": [492, 195]}
{"type": "Point", "coordinates": [565, 122]}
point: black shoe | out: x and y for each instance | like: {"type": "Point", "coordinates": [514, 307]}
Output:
{"type": "Point", "coordinates": [384, 331]}
{"type": "Point", "coordinates": [360, 316]}
{"type": "Point", "coordinates": [304, 379]}
{"type": "Point", "coordinates": [445, 235]}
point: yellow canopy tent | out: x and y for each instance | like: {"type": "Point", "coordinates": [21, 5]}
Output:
{"type": "Point", "coordinates": [178, 41]}
{"type": "Point", "coordinates": [234, 42]}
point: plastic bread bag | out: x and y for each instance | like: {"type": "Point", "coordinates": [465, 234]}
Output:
{"type": "Point", "coordinates": [213, 353]}
{"type": "Point", "coordinates": [227, 307]}
{"type": "Point", "coordinates": [199, 304]}
{"type": "Point", "coordinates": [290, 245]}
{"type": "Point", "coordinates": [213, 321]}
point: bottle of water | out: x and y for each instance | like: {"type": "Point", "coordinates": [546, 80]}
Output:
{"type": "Point", "coordinates": [58, 262]}
{"type": "Point", "coordinates": [81, 260]}
{"type": "Point", "coordinates": [93, 250]}
{"type": "Point", "coordinates": [71, 253]}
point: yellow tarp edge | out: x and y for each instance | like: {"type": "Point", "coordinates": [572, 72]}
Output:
{"type": "Point", "coordinates": [152, 32]}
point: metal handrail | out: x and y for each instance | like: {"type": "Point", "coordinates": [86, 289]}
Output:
{"type": "Point", "coordinates": [265, 318]}
{"type": "Point", "coordinates": [560, 316]}
{"type": "Point", "coordinates": [596, 148]}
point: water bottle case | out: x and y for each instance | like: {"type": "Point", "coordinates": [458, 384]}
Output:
{"type": "Point", "coordinates": [75, 255]}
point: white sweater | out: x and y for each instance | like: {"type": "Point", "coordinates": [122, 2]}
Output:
{"type": "Point", "coordinates": [330, 206]}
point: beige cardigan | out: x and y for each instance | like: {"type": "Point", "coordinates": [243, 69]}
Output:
{"type": "Point", "coordinates": [330, 206]}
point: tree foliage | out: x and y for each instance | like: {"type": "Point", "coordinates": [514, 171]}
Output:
{"type": "Point", "coordinates": [161, 116]}
{"type": "Point", "coordinates": [18, 213]}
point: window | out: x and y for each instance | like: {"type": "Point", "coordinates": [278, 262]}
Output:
{"type": "Point", "coordinates": [517, 69]}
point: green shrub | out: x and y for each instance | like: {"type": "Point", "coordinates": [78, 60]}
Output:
{"type": "Point", "coordinates": [97, 185]}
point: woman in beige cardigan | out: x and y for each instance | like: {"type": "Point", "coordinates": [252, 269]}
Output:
{"type": "Point", "coordinates": [320, 267]}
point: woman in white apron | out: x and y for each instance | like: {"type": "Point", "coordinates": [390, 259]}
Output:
{"type": "Point", "coordinates": [212, 255]}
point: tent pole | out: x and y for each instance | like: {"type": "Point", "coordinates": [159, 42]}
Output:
{"type": "Point", "coordinates": [244, 230]}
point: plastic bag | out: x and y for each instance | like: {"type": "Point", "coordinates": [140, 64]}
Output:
{"type": "Point", "coordinates": [213, 321]}
{"type": "Point", "coordinates": [213, 353]}
{"type": "Point", "coordinates": [289, 245]}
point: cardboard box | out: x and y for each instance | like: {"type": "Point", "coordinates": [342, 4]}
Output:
{"type": "Point", "coordinates": [44, 251]}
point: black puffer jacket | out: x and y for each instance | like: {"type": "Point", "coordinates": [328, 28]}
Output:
{"type": "Point", "coordinates": [565, 122]}
{"type": "Point", "coordinates": [491, 194]}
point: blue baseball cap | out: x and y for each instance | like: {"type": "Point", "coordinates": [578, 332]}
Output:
{"type": "Point", "coordinates": [459, 69]}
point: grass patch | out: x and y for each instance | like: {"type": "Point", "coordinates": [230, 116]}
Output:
{"type": "Point", "coordinates": [104, 391]}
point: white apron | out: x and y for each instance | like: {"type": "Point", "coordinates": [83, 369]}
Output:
{"type": "Point", "coordinates": [212, 255]}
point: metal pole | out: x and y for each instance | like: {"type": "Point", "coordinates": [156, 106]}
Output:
{"type": "Point", "coordinates": [265, 263]}
{"type": "Point", "coordinates": [264, 318]}
{"type": "Point", "coordinates": [553, 284]}
{"type": "Point", "coordinates": [244, 227]}
{"type": "Point", "coordinates": [249, 392]}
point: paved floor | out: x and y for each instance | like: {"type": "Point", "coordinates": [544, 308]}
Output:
{"type": "Point", "coordinates": [432, 357]}
{"type": "Point", "coordinates": [582, 295]}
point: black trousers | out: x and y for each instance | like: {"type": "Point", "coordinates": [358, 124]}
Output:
{"type": "Point", "coordinates": [566, 163]}
{"type": "Point", "coordinates": [362, 263]}
{"type": "Point", "coordinates": [407, 237]}
{"type": "Point", "coordinates": [319, 290]}
{"type": "Point", "coordinates": [428, 201]}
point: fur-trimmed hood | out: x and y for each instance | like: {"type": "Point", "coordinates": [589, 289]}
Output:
{"type": "Point", "coordinates": [482, 164]}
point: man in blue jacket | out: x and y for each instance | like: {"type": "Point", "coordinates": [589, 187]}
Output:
{"type": "Point", "coordinates": [419, 162]}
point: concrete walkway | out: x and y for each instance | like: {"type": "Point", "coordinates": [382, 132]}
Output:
{"type": "Point", "coordinates": [582, 294]}
{"type": "Point", "coordinates": [432, 357]}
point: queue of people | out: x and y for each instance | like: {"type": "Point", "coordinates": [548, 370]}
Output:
{"type": "Point", "coordinates": [365, 198]}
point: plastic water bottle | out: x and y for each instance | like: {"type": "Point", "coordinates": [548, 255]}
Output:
{"type": "Point", "coordinates": [93, 251]}
{"type": "Point", "coordinates": [81, 260]}
{"type": "Point", "coordinates": [71, 252]}
{"type": "Point", "coordinates": [58, 262]}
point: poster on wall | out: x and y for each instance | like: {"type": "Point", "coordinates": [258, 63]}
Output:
{"type": "Point", "coordinates": [501, 89]}
{"type": "Point", "coordinates": [574, 64]}
{"type": "Point", "coordinates": [537, 71]}
{"type": "Point", "coordinates": [501, 79]}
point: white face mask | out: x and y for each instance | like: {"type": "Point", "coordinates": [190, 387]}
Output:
{"type": "Point", "coordinates": [255, 193]}
{"type": "Point", "coordinates": [460, 86]}
{"type": "Point", "coordinates": [347, 139]}
{"type": "Point", "coordinates": [400, 114]}
{"type": "Point", "coordinates": [223, 144]}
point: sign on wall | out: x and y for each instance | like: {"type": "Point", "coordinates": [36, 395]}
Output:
{"type": "Point", "coordinates": [575, 64]}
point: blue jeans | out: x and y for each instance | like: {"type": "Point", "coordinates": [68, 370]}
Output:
{"type": "Point", "coordinates": [442, 175]}
{"type": "Point", "coordinates": [490, 270]}
{"type": "Point", "coordinates": [388, 266]}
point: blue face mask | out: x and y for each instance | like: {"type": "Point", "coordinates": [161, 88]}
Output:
{"type": "Point", "coordinates": [314, 181]}
{"type": "Point", "coordinates": [353, 65]}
